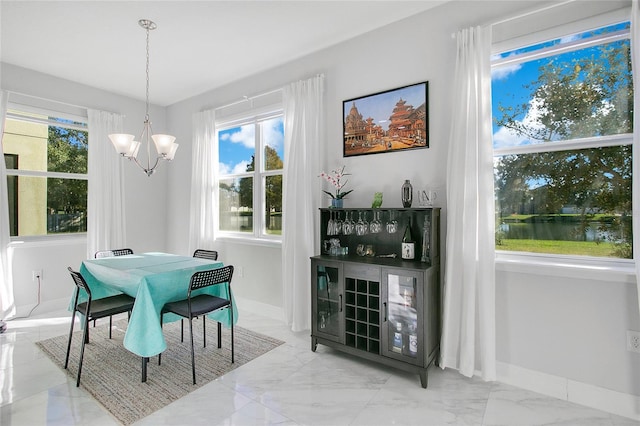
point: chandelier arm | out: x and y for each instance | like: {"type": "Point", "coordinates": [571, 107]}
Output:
{"type": "Point", "coordinates": [148, 170]}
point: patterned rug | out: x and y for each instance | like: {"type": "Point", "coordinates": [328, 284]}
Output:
{"type": "Point", "coordinates": [112, 374]}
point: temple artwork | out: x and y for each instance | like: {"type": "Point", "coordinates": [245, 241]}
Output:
{"type": "Point", "coordinates": [387, 121]}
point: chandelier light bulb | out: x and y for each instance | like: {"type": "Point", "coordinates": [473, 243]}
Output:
{"type": "Point", "coordinates": [163, 143]}
{"type": "Point", "coordinates": [121, 142]}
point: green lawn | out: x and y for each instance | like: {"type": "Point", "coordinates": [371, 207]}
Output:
{"type": "Point", "coordinates": [580, 248]}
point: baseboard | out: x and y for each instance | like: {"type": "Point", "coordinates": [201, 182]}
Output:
{"type": "Point", "coordinates": [254, 306]}
{"type": "Point", "coordinates": [614, 402]}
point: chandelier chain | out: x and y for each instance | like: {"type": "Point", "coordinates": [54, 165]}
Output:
{"type": "Point", "coordinates": [147, 105]}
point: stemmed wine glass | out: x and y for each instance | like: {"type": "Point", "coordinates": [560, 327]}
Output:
{"type": "Point", "coordinates": [337, 224]}
{"type": "Point", "coordinates": [362, 227]}
{"type": "Point", "coordinates": [348, 225]}
{"type": "Point", "coordinates": [375, 226]}
{"type": "Point", "coordinates": [392, 224]}
{"type": "Point", "coordinates": [331, 225]}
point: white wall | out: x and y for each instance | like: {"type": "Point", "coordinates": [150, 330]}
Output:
{"type": "Point", "coordinates": [564, 327]}
{"type": "Point", "coordinates": [145, 198]}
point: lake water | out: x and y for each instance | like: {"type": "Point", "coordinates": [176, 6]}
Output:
{"type": "Point", "coordinates": [557, 231]}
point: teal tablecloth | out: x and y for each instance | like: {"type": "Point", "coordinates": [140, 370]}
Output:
{"type": "Point", "coordinates": [153, 279]}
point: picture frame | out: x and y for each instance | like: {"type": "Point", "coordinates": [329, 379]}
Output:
{"type": "Point", "coordinates": [389, 121]}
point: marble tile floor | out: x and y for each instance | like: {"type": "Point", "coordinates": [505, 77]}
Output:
{"type": "Point", "coordinates": [291, 385]}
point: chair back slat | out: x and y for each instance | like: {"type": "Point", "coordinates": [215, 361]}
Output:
{"type": "Point", "coordinates": [206, 254]}
{"type": "Point", "coordinates": [211, 277]}
{"type": "Point", "coordinates": [122, 252]}
{"type": "Point", "coordinates": [115, 252]}
{"type": "Point", "coordinates": [79, 281]}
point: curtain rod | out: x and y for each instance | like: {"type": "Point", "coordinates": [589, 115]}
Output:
{"type": "Point", "coordinates": [530, 12]}
{"type": "Point", "coordinates": [45, 99]}
{"type": "Point", "coordinates": [247, 99]}
{"type": "Point", "coordinates": [522, 15]}
{"type": "Point", "coordinates": [10, 92]}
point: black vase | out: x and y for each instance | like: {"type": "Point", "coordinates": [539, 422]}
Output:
{"type": "Point", "coordinates": [407, 194]}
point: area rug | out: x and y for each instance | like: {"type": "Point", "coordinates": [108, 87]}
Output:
{"type": "Point", "coordinates": [112, 374]}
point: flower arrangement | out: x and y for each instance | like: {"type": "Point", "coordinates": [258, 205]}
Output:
{"type": "Point", "coordinates": [336, 178]}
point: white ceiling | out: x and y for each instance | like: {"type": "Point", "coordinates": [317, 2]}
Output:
{"type": "Point", "coordinates": [198, 45]}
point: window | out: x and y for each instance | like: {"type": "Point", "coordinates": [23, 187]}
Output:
{"type": "Point", "coordinates": [46, 160]}
{"type": "Point", "coordinates": [562, 112]}
{"type": "Point", "coordinates": [251, 162]}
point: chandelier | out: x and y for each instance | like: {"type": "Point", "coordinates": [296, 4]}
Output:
{"type": "Point", "coordinates": [125, 144]}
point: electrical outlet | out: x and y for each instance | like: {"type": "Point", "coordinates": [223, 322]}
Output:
{"type": "Point", "coordinates": [35, 274]}
{"type": "Point", "coordinates": [633, 341]}
{"type": "Point", "coordinates": [240, 271]}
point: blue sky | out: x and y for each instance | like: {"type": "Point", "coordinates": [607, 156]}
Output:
{"type": "Point", "coordinates": [380, 106]}
{"type": "Point", "coordinates": [508, 83]}
{"type": "Point", "coordinates": [237, 144]}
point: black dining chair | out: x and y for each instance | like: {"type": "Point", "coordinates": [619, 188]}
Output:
{"type": "Point", "coordinates": [110, 253]}
{"type": "Point", "coordinates": [202, 304]}
{"type": "Point", "coordinates": [206, 254]}
{"type": "Point", "coordinates": [202, 254]}
{"type": "Point", "coordinates": [93, 309]}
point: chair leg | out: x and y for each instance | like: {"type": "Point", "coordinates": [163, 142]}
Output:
{"type": "Point", "coordinates": [73, 319]}
{"type": "Point", "coordinates": [219, 334]}
{"type": "Point", "coordinates": [84, 341]}
{"type": "Point", "coordinates": [232, 344]}
{"type": "Point", "coordinates": [110, 325]}
{"type": "Point", "coordinates": [181, 330]}
{"type": "Point", "coordinates": [145, 361]}
{"type": "Point", "coordinates": [160, 354]}
{"type": "Point", "coordinates": [204, 330]}
{"type": "Point", "coordinates": [86, 335]}
{"type": "Point", "coordinates": [193, 356]}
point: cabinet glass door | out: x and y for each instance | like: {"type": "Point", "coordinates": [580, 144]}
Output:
{"type": "Point", "coordinates": [328, 299]}
{"type": "Point", "coordinates": [403, 318]}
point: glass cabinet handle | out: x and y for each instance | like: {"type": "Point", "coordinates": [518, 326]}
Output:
{"type": "Point", "coordinates": [340, 305]}
{"type": "Point", "coordinates": [384, 305]}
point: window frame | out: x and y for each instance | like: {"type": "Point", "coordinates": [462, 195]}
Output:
{"type": "Point", "coordinates": [258, 236]}
{"type": "Point", "coordinates": [14, 110]}
{"type": "Point", "coordinates": [588, 267]}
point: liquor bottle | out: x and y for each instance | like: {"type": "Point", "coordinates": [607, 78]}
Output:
{"type": "Point", "coordinates": [397, 338]}
{"type": "Point", "coordinates": [408, 245]}
{"type": "Point", "coordinates": [413, 339]}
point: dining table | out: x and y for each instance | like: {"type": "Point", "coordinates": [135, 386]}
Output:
{"type": "Point", "coordinates": [153, 279]}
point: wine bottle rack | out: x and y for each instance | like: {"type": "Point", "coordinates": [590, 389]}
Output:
{"type": "Point", "coordinates": [362, 314]}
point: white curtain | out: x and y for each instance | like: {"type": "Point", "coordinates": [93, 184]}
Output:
{"type": "Point", "coordinates": [7, 302]}
{"type": "Point", "coordinates": [105, 200]}
{"type": "Point", "coordinates": [635, 66]}
{"type": "Point", "coordinates": [468, 336]}
{"type": "Point", "coordinates": [303, 127]}
{"type": "Point", "coordinates": [204, 169]}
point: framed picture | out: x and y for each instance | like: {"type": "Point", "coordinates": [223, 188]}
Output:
{"type": "Point", "coordinates": [389, 121]}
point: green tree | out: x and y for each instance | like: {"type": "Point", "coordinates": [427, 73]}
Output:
{"type": "Point", "coordinates": [67, 152]}
{"type": "Point", "coordinates": [584, 96]}
{"type": "Point", "coordinates": [245, 188]}
{"type": "Point", "coordinates": [273, 184]}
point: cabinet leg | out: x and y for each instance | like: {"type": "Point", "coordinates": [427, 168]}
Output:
{"type": "Point", "coordinates": [314, 344]}
{"type": "Point", "coordinates": [423, 378]}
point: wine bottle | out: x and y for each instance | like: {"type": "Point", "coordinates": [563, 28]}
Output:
{"type": "Point", "coordinates": [408, 245]}
{"type": "Point", "coordinates": [397, 338]}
